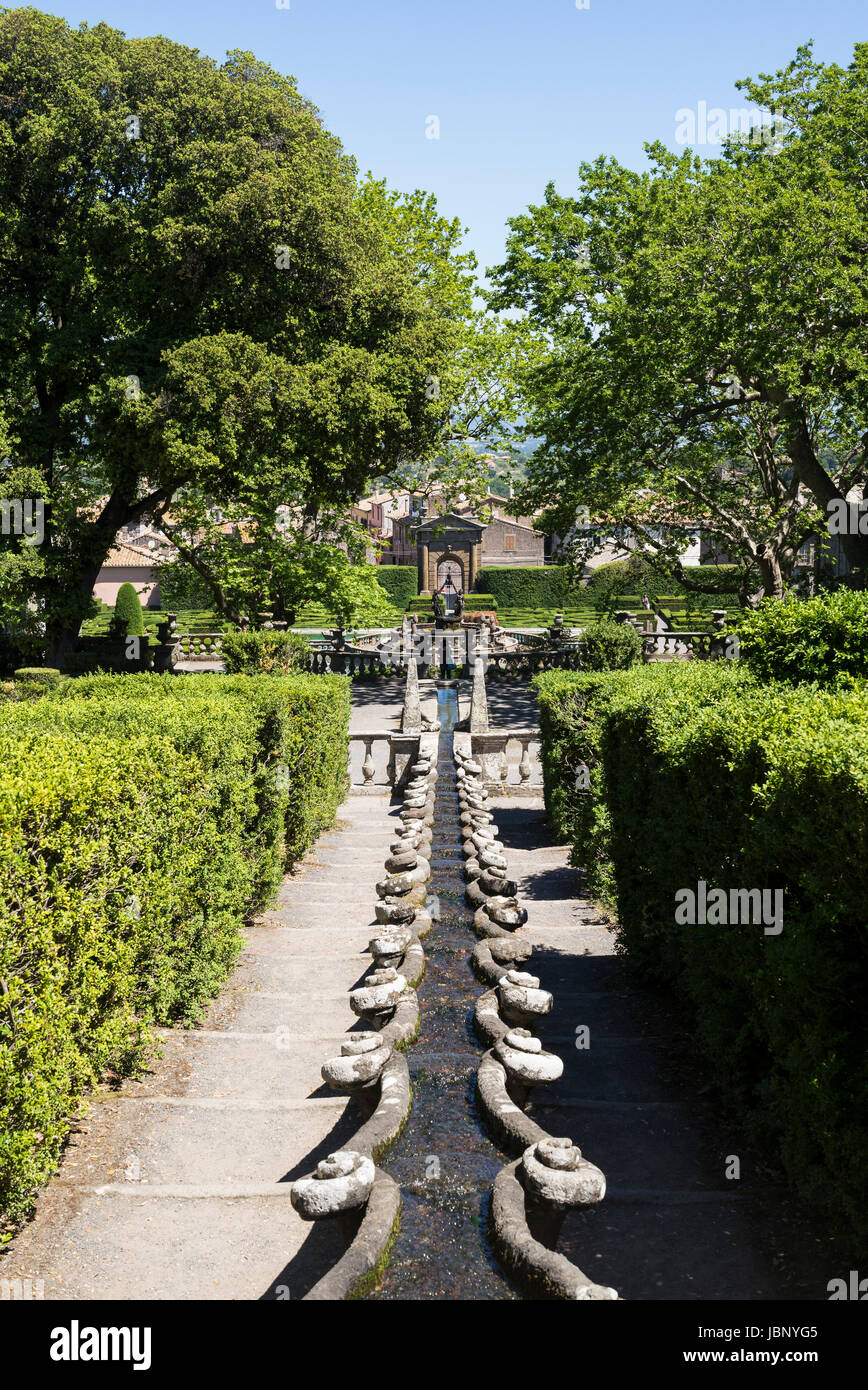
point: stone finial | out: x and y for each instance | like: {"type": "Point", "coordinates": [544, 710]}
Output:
{"type": "Point", "coordinates": [491, 857]}
{"type": "Point", "coordinates": [506, 950]}
{"type": "Point", "coordinates": [526, 1064]}
{"type": "Point", "coordinates": [388, 947]}
{"type": "Point", "coordinates": [494, 883]}
{"type": "Point", "coordinates": [377, 996]}
{"type": "Point", "coordinates": [403, 859]}
{"type": "Point", "coordinates": [342, 1181]}
{"type": "Point", "coordinates": [521, 1000]}
{"type": "Point", "coordinates": [396, 885]}
{"type": "Point", "coordinates": [555, 1173]}
{"type": "Point", "coordinates": [509, 917]}
{"type": "Point", "coordinates": [395, 911]}
{"type": "Point", "coordinates": [501, 903]}
{"type": "Point", "coordinates": [360, 1065]}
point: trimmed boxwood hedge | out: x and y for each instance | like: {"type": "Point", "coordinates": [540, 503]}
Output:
{"type": "Point", "coordinates": [401, 583]}
{"type": "Point", "coordinates": [265, 653]}
{"type": "Point", "coordinates": [823, 639]}
{"type": "Point", "coordinates": [142, 819]}
{"type": "Point", "coordinates": [699, 773]}
{"type": "Point", "coordinates": [527, 586]}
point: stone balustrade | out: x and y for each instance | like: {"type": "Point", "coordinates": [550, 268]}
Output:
{"type": "Point", "coordinates": [380, 759]}
{"type": "Point", "coordinates": [681, 646]}
{"type": "Point", "coordinates": [198, 646]}
{"type": "Point", "coordinates": [503, 775]}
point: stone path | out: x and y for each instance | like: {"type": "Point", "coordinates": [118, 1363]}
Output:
{"type": "Point", "coordinates": [177, 1186]}
{"type": "Point", "coordinates": [672, 1226]}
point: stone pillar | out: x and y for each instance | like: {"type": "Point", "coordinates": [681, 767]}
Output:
{"type": "Point", "coordinates": [423, 568]}
{"type": "Point", "coordinates": [478, 700]}
{"type": "Point", "coordinates": [474, 564]}
{"type": "Point", "coordinates": [411, 718]}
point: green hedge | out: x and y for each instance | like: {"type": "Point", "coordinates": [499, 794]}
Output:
{"type": "Point", "coordinates": [265, 653]}
{"type": "Point", "coordinates": [821, 639]}
{"type": "Point", "coordinates": [401, 583]}
{"type": "Point", "coordinates": [142, 819]}
{"type": "Point", "coordinates": [527, 586]}
{"type": "Point", "coordinates": [622, 577]}
{"type": "Point", "coordinates": [610, 646]}
{"type": "Point", "coordinates": [697, 773]}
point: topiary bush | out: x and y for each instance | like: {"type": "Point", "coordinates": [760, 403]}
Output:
{"type": "Point", "coordinates": [48, 676]}
{"type": "Point", "coordinates": [610, 646]}
{"type": "Point", "coordinates": [823, 639]}
{"type": "Point", "coordinates": [401, 583]}
{"type": "Point", "coordinates": [698, 772]}
{"type": "Point", "coordinates": [142, 819]}
{"type": "Point", "coordinates": [128, 612]}
{"type": "Point", "coordinates": [265, 653]}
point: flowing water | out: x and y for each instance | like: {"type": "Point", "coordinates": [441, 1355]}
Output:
{"type": "Point", "coordinates": [443, 1162]}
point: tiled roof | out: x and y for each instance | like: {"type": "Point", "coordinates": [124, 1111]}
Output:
{"type": "Point", "coordinates": [123, 556]}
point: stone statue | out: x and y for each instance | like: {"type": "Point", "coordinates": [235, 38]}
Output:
{"type": "Point", "coordinates": [459, 604]}
{"type": "Point", "coordinates": [438, 605]}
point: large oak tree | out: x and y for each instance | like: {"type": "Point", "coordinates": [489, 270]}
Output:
{"type": "Point", "coordinates": [198, 297]}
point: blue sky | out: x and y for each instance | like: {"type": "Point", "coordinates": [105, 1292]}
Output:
{"type": "Point", "coordinates": [523, 91]}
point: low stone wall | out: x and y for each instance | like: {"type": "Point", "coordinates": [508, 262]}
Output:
{"type": "Point", "coordinates": [530, 1197]}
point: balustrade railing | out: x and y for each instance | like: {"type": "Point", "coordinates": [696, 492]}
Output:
{"type": "Point", "coordinates": [681, 646]}
{"type": "Point", "coordinates": [448, 655]}
{"type": "Point", "coordinates": [379, 759]}
{"type": "Point", "coordinates": [198, 646]}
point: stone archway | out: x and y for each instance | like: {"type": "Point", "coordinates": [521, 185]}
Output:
{"type": "Point", "coordinates": [453, 566]}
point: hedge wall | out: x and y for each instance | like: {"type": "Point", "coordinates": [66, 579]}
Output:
{"type": "Point", "coordinates": [401, 583]}
{"type": "Point", "coordinates": [527, 586]}
{"type": "Point", "coordinates": [142, 819]}
{"type": "Point", "coordinates": [697, 773]}
{"type": "Point", "coordinates": [823, 639]}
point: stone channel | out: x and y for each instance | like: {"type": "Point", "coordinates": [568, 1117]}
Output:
{"type": "Point", "coordinates": [444, 1162]}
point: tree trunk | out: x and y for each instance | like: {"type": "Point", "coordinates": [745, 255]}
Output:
{"type": "Point", "coordinates": [815, 478]}
{"type": "Point", "coordinates": [770, 570]}
{"type": "Point", "coordinates": [62, 641]}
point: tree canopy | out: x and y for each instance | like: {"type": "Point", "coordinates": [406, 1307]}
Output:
{"type": "Point", "coordinates": [706, 326]}
{"type": "Point", "coordinates": [200, 298]}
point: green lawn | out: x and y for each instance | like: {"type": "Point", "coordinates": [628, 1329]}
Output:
{"type": "Point", "coordinates": [189, 620]}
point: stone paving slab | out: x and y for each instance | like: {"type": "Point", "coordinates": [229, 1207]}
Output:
{"type": "Point", "coordinates": [176, 1186]}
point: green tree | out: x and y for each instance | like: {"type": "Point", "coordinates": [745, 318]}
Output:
{"type": "Point", "coordinates": [196, 297]}
{"type": "Point", "coordinates": [707, 323]}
